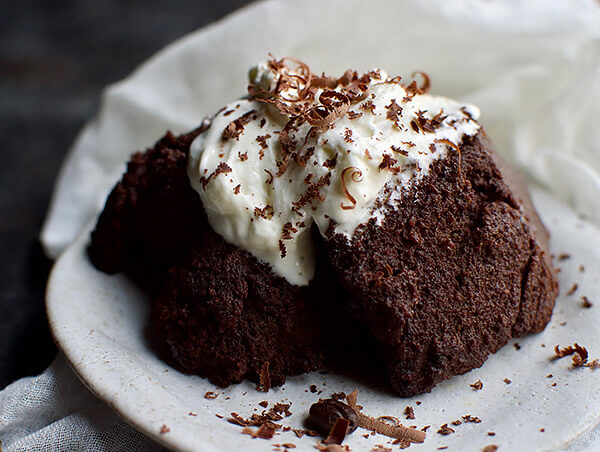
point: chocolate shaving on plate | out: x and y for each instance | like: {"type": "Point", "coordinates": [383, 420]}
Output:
{"type": "Point", "coordinates": [382, 427]}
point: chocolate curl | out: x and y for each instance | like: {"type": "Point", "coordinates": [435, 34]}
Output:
{"type": "Point", "coordinates": [356, 176]}
{"type": "Point", "coordinates": [376, 425]}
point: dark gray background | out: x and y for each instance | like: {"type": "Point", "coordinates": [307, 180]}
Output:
{"type": "Point", "coordinates": [55, 57]}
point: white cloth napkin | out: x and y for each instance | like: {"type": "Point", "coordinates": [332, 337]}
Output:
{"type": "Point", "coordinates": [55, 412]}
{"type": "Point", "coordinates": [532, 67]}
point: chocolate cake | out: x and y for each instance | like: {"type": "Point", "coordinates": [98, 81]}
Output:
{"type": "Point", "coordinates": [323, 212]}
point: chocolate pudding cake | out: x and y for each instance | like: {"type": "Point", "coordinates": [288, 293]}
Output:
{"type": "Point", "coordinates": [319, 212]}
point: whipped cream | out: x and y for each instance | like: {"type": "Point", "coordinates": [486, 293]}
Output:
{"type": "Point", "coordinates": [306, 149]}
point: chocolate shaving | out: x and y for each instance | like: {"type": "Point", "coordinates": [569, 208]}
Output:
{"type": "Point", "coordinates": [445, 430]}
{"type": "Point", "coordinates": [265, 213]}
{"type": "Point", "coordinates": [573, 289]}
{"type": "Point", "coordinates": [426, 82]}
{"type": "Point", "coordinates": [380, 448]}
{"type": "Point", "coordinates": [337, 432]}
{"type": "Point", "coordinates": [236, 127]}
{"type": "Point", "coordinates": [331, 162]}
{"type": "Point", "coordinates": [429, 125]}
{"type": "Point", "coordinates": [490, 448]}
{"type": "Point", "coordinates": [388, 162]}
{"type": "Point", "coordinates": [313, 191]}
{"type": "Point", "coordinates": [379, 426]}
{"type": "Point", "coordinates": [211, 395]}
{"type": "Point", "coordinates": [348, 135]}
{"type": "Point", "coordinates": [354, 115]}
{"type": "Point", "coordinates": [477, 386]}
{"type": "Point", "coordinates": [472, 419]}
{"type": "Point", "coordinates": [409, 412]}
{"type": "Point", "coordinates": [287, 232]}
{"type": "Point", "coordinates": [222, 168]}
{"type": "Point", "coordinates": [236, 189]}
{"type": "Point", "coordinates": [455, 147]}
{"type": "Point", "coordinates": [368, 106]}
{"type": "Point", "coordinates": [282, 249]}
{"type": "Point", "coordinates": [399, 150]}
{"type": "Point", "coordinates": [270, 178]}
{"type": "Point", "coordinates": [332, 448]}
{"type": "Point", "coordinates": [243, 157]}
{"type": "Point", "coordinates": [595, 364]}
{"type": "Point", "coordinates": [394, 112]}
{"type": "Point", "coordinates": [262, 140]}
{"type": "Point", "coordinates": [333, 102]}
{"type": "Point", "coordinates": [264, 378]}
{"type": "Point", "coordinates": [585, 302]}
{"type": "Point", "coordinates": [265, 431]}
{"type": "Point", "coordinates": [356, 177]}
{"type": "Point", "coordinates": [580, 353]}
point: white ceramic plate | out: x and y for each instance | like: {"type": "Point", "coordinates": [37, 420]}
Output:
{"type": "Point", "coordinates": [99, 322]}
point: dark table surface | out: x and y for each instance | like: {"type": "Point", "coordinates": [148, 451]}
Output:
{"type": "Point", "coordinates": [55, 58]}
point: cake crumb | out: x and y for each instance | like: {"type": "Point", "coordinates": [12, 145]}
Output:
{"type": "Point", "coordinates": [491, 433]}
{"type": "Point", "coordinates": [507, 381]}
{"type": "Point", "coordinates": [164, 429]}
{"type": "Point", "coordinates": [564, 257]}
{"type": "Point", "coordinates": [409, 412]}
{"type": "Point", "coordinates": [211, 395]}
{"type": "Point", "coordinates": [517, 346]}
{"type": "Point", "coordinates": [490, 448]}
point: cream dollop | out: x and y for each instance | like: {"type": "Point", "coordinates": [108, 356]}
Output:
{"type": "Point", "coordinates": [382, 132]}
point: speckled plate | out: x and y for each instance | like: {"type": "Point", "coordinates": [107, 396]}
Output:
{"type": "Point", "coordinates": [99, 322]}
